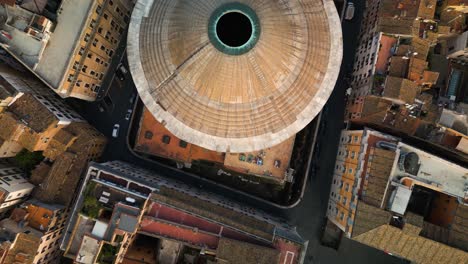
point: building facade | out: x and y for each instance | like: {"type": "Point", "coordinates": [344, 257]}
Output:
{"type": "Point", "coordinates": [14, 188]}
{"type": "Point", "coordinates": [87, 32]}
{"type": "Point", "coordinates": [405, 201]}
{"type": "Point", "coordinates": [105, 27]}
{"type": "Point", "coordinates": [351, 173]}
{"type": "Point", "coordinates": [132, 204]}
{"type": "Point", "coordinates": [32, 233]}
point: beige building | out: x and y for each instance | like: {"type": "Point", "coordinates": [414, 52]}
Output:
{"type": "Point", "coordinates": [404, 201]}
{"type": "Point", "coordinates": [121, 205]}
{"type": "Point", "coordinates": [352, 166]}
{"type": "Point", "coordinates": [32, 234]}
{"type": "Point", "coordinates": [74, 57]}
{"type": "Point", "coordinates": [14, 188]}
{"type": "Point", "coordinates": [393, 33]}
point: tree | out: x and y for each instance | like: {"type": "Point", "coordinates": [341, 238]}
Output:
{"type": "Point", "coordinates": [27, 160]}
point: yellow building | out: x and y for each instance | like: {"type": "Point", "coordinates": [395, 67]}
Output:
{"type": "Point", "coordinates": [351, 166]}
{"type": "Point", "coordinates": [105, 27]}
{"type": "Point", "coordinates": [73, 54]}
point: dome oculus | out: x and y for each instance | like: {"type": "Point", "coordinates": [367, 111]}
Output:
{"type": "Point", "coordinates": [234, 28]}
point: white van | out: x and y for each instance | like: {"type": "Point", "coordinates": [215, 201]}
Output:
{"type": "Point", "coordinates": [350, 11]}
{"type": "Point", "coordinates": [115, 131]}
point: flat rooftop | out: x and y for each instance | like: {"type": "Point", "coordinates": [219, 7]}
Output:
{"type": "Point", "coordinates": [47, 54]}
{"type": "Point", "coordinates": [431, 171]}
{"type": "Point", "coordinates": [274, 160]}
{"type": "Point", "coordinates": [88, 250]}
{"type": "Point", "coordinates": [154, 139]}
{"type": "Point", "coordinates": [60, 48]}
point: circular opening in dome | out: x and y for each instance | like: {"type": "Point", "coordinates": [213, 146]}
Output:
{"type": "Point", "coordinates": [234, 29]}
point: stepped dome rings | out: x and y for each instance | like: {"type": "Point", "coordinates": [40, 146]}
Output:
{"type": "Point", "coordinates": [234, 76]}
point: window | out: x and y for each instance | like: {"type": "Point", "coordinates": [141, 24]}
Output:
{"type": "Point", "coordinates": [70, 78]}
{"type": "Point", "coordinates": [353, 154]}
{"type": "Point", "coordinates": [347, 187]}
{"type": "Point", "coordinates": [86, 38]}
{"type": "Point", "coordinates": [182, 144]}
{"type": "Point", "coordinates": [356, 138]}
{"type": "Point", "coordinates": [99, 9]}
{"type": "Point", "coordinates": [341, 215]}
{"type": "Point", "coordinates": [105, 16]}
{"type": "Point", "coordinates": [92, 24]}
{"type": "Point", "coordinates": [345, 200]}
{"type": "Point", "coordinates": [350, 170]}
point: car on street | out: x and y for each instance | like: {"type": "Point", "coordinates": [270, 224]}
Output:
{"type": "Point", "coordinates": [129, 114]}
{"type": "Point", "coordinates": [121, 72]}
{"type": "Point", "coordinates": [350, 11]}
{"type": "Point", "coordinates": [115, 131]}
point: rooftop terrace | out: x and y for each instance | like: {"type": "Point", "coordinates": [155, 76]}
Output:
{"type": "Point", "coordinates": [430, 171]}
{"type": "Point", "coordinates": [29, 37]}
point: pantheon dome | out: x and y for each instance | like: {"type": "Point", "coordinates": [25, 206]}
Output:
{"type": "Point", "coordinates": [234, 76]}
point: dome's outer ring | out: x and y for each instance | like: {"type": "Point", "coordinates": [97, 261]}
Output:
{"type": "Point", "coordinates": [234, 145]}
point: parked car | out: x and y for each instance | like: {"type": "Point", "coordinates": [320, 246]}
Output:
{"type": "Point", "coordinates": [129, 114]}
{"type": "Point", "coordinates": [350, 11]}
{"type": "Point", "coordinates": [115, 131]}
{"type": "Point", "coordinates": [101, 107]}
{"type": "Point", "coordinates": [132, 98]}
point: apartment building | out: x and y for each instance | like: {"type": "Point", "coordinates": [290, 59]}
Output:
{"type": "Point", "coordinates": [73, 59]}
{"type": "Point", "coordinates": [399, 199]}
{"type": "Point", "coordinates": [351, 172]}
{"type": "Point", "coordinates": [14, 188]}
{"type": "Point", "coordinates": [32, 233]}
{"type": "Point", "coordinates": [386, 26]}
{"type": "Point", "coordinates": [456, 89]}
{"type": "Point", "coordinates": [131, 205]}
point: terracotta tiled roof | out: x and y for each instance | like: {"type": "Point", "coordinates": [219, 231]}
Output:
{"type": "Point", "coordinates": [40, 173]}
{"type": "Point", "coordinates": [231, 252]}
{"type": "Point", "coordinates": [33, 113]}
{"type": "Point", "coordinates": [10, 127]}
{"type": "Point", "coordinates": [402, 89]}
{"type": "Point", "coordinates": [378, 171]}
{"type": "Point", "coordinates": [215, 212]}
{"type": "Point", "coordinates": [59, 143]}
{"type": "Point", "coordinates": [24, 249]}
{"type": "Point", "coordinates": [398, 67]}
{"type": "Point", "coordinates": [368, 217]}
{"type": "Point", "coordinates": [414, 248]}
